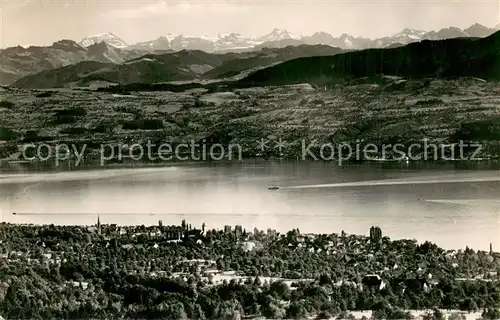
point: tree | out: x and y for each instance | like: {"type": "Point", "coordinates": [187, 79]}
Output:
{"type": "Point", "coordinates": [491, 314]}
{"type": "Point", "coordinates": [255, 310]}
{"type": "Point", "coordinates": [272, 309]}
{"type": "Point", "coordinates": [456, 316]}
{"type": "Point", "coordinates": [220, 264]}
{"type": "Point", "coordinates": [178, 311]}
{"type": "Point", "coordinates": [379, 314]}
{"type": "Point", "coordinates": [438, 315]}
{"type": "Point", "coordinates": [296, 310]}
{"type": "Point", "coordinates": [325, 279]}
{"type": "Point", "coordinates": [257, 281]}
{"type": "Point", "coordinates": [398, 314]}
{"type": "Point", "coordinates": [280, 289]}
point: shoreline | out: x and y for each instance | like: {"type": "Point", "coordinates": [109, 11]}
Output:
{"type": "Point", "coordinates": [11, 224]}
{"type": "Point", "coordinates": [67, 166]}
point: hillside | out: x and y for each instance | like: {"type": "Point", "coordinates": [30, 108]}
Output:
{"type": "Point", "coordinates": [266, 57]}
{"type": "Point", "coordinates": [18, 62]}
{"type": "Point", "coordinates": [476, 57]}
{"type": "Point", "coordinates": [394, 110]}
{"type": "Point", "coordinates": [177, 66]}
{"type": "Point", "coordinates": [182, 65]}
{"type": "Point", "coordinates": [68, 74]}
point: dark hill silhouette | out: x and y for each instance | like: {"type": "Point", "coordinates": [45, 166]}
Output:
{"type": "Point", "coordinates": [266, 57]}
{"type": "Point", "coordinates": [68, 74]}
{"type": "Point", "coordinates": [462, 57]}
{"type": "Point", "coordinates": [476, 57]}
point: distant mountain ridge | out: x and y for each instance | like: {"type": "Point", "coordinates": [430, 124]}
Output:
{"type": "Point", "coordinates": [471, 58]}
{"type": "Point", "coordinates": [279, 38]}
{"type": "Point", "coordinates": [184, 65]}
{"type": "Point", "coordinates": [458, 57]}
{"type": "Point", "coordinates": [18, 62]}
{"type": "Point", "coordinates": [223, 42]}
{"type": "Point", "coordinates": [318, 65]}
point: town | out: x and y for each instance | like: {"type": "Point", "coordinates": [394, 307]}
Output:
{"type": "Point", "coordinates": [184, 272]}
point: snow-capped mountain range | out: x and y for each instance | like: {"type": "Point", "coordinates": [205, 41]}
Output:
{"type": "Point", "coordinates": [281, 37]}
{"type": "Point", "coordinates": [110, 38]}
{"type": "Point", "coordinates": [221, 42]}
{"type": "Point", "coordinates": [277, 35]}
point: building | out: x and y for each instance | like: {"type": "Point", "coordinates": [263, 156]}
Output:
{"type": "Point", "coordinates": [372, 280]}
{"type": "Point", "coordinates": [98, 225]}
{"type": "Point", "coordinates": [375, 234]}
{"type": "Point", "coordinates": [271, 232]}
{"type": "Point", "coordinates": [193, 234]}
{"type": "Point", "coordinates": [238, 231]}
{"type": "Point", "coordinates": [227, 229]}
{"type": "Point", "coordinates": [182, 232]}
{"type": "Point", "coordinates": [173, 233]}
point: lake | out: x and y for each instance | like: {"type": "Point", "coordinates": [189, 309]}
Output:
{"type": "Point", "coordinates": [450, 204]}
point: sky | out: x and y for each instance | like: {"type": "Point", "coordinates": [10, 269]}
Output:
{"type": "Point", "coordinates": [42, 22]}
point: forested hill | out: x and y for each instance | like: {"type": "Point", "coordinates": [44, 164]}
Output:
{"type": "Point", "coordinates": [476, 57]}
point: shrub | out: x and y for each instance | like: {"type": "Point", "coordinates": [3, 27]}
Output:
{"type": "Point", "coordinates": [67, 116]}
{"type": "Point", "coordinates": [32, 136]}
{"type": "Point", "coordinates": [76, 111]}
{"type": "Point", "coordinates": [6, 134]}
{"type": "Point", "coordinates": [45, 94]}
{"type": "Point", "coordinates": [491, 314]}
{"type": "Point", "coordinates": [103, 128]}
{"type": "Point", "coordinates": [456, 316]}
{"type": "Point", "coordinates": [480, 130]}
{"type": "Point", "coordinates": [6, 104]}
{"type": "Point", "coordinates": [429, 102]}
{"type": "Point", "coordinates": [144, 124]}
{"type": "Point", "coordinates": [74, 130]}
{"type": "Point", "coordinates": [65, 119]}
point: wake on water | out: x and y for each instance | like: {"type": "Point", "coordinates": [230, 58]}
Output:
{"type": "Point", "coordinates": [77, 175]}
{"type": "Point", "coordinates": [427, 180]}
{"type": "Point", "coordinates": [389, 182]}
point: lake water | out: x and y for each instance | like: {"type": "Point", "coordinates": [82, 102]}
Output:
{"type": "Point", "coordinates": [424, 202]}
